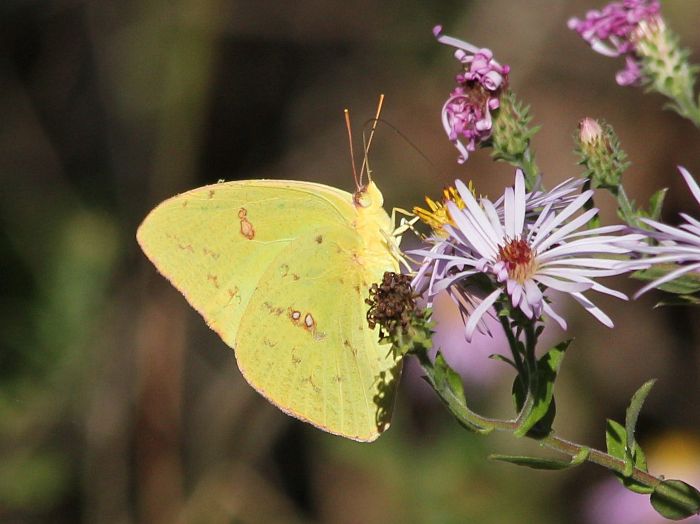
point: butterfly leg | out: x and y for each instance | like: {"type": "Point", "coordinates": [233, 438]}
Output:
{"type": "Point", "coordinates": [393, 240]}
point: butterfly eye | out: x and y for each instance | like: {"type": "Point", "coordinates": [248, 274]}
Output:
{"type": "Point", "coordinates": [362, 198]}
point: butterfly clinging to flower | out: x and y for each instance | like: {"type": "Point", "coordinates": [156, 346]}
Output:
{"type": "Point", "coordinates": [280, 270]}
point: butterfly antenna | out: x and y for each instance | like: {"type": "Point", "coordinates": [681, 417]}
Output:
{"type": "Point", "coordinates": [352, 152]}
{"type": "Point", "coordinates": [365, 160]}
{"type": "Point", "coordinates": [405, 138]}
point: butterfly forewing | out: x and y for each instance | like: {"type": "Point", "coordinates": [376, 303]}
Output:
{"type": "Point", "coordinates": [213, 242]}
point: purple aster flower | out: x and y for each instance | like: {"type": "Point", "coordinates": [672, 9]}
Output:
{"type": "Point", "coordinates": [557, 198]}
{"type": "Point", "coordinates": [677, 245]}
{"type": "Point", "coordinates": [466, 115]}
{"type": "Point", "coordinates": [521, 257]}
{"type": "Point", "coordinates": [612, 31]}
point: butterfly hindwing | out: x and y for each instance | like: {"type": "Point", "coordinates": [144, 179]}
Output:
{"type": "Point", "coordinates": [304, 342]}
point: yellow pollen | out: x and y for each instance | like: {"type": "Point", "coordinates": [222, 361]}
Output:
{"type": "Point", "coordinates": [437, 215]}
{"type": "Point", "coordinates": [519, 259]}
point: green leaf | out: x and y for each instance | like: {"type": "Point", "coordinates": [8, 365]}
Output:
{"type": "Point", "coordinates": [679, 300]}
{"type": "Point", "coordinates": [448, 385]}
{"type": "Point", "coordinates": [684, 285]}
{"type": "Point", "coordinates": [656, 203]}
{"type": "Point", "coordinates": [542, 408]}
{"type": "Point", "coordinates": [450, 377]}
{"type": "Point", "coordinates": [632, 413]}
{"type": "Point", "coordinates": [616, 442]}
{"type": "Point", "coordinates": [502, 358]}
{"type": "Point", "coordinates": [675, 500]}
{"type": "Point", "coordinates": [542, 463]}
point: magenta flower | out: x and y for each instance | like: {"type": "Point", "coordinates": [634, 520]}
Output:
{"type": "Point", "coordinates": [522, 257]}
{"type": "Point", "coordinates": [466, 115]}
{"type": "Point", "coordinates": [612, 32]}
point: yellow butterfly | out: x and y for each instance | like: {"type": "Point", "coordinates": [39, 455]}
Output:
{"type": "Point", "coordinates": [281, 270]}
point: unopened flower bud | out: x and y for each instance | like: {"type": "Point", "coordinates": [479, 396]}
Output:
{"type": "Point", "coordinates": [589, 131]}
{"type": "Point", "coordinates": [601, 153]}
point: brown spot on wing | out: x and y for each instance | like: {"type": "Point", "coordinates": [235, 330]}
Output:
{"type": "Point", "coordinates": [186, 247]}
{"type": "Point", "coordinates": [213, 279]}
{"type": "Point", "coordinates": [272, 309]}
{"type": "Point", "coordinates": [210, 253]}
{"type": "Point", "coordinates": [306, 321]}
{"type": "Point", "coordinates": [233, 293]}
{"type": "Point", "coordinates": [247, 229]}
{"type": "Point", "coordinates": [211, 193]}
{"type": "Point", "coordinates": [310, 381]}
{"type": "Point", "coordinates": [319, 239]}
{"type": "Point", "coordinates": [352, 348]}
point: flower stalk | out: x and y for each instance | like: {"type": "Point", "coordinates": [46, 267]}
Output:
{"type": "Point", "coordinates": [447, 384]}
{"type": "Point", "coordinates": [636, 31]}
{"type": "Point", "coordinates": [499, 260]}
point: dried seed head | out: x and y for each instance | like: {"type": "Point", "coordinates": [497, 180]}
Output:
{"type": "Point", "coordinates": [392, 304]}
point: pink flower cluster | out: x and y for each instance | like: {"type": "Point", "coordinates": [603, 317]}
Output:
{"type": "Point", "coordinates": [611, 30]}
{"type": "Point", "coordinates": [466, 115]}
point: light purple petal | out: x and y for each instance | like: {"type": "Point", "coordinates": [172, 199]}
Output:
{"type": "Point", "coordinates": [479, 312]}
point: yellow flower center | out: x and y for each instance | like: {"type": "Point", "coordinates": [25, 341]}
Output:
{"type": "Point", "coordinates": [519, 259]}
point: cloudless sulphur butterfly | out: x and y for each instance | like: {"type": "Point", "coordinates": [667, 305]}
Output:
{"type": "Point", "coordinates": [281, 270]}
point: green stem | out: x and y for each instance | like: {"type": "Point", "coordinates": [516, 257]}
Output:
{"type": "Point", "coordinates": [470, 418]}
{"type": "Point", "coordinates": [686, 106]}
{"type": "Point", "coordinates": [598, 457]}
{"type": "Point", "coordinates": [530, 344]}
{"type": "Point", "coordinates": [514, 347]}
{"type": "Point", "coordinates": [529, 166]}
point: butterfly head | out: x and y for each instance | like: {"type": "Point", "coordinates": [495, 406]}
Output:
{"type": "Point", "coordinates": [368, 197]}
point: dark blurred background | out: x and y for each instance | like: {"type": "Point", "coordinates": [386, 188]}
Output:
{"type": "Point", "coordinates": [118, 405]}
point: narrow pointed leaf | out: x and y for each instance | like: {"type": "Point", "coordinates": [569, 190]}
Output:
{"type": "Point", "coordinates": [502, 358]}
{"type": "Point", "coordinates": [616, 442]}
{"type": "Point", "coordinates": [679, 300]}
{"type": "Point", "coordinates": [656, 203]}
{"type": "Point", "coordinates": [675, 500]}
{"type": "Point", "coordinates": [684, 285]}
{"type": "Point", "coordinates": [448, 385]}
{"type": "Point", "coordinates": [542, 409]}
{"type": "Point", "coordinates": [633, 410]}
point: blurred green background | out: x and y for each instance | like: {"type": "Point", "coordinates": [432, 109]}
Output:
{"type": "Point", "coordinates": [118, 405]}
